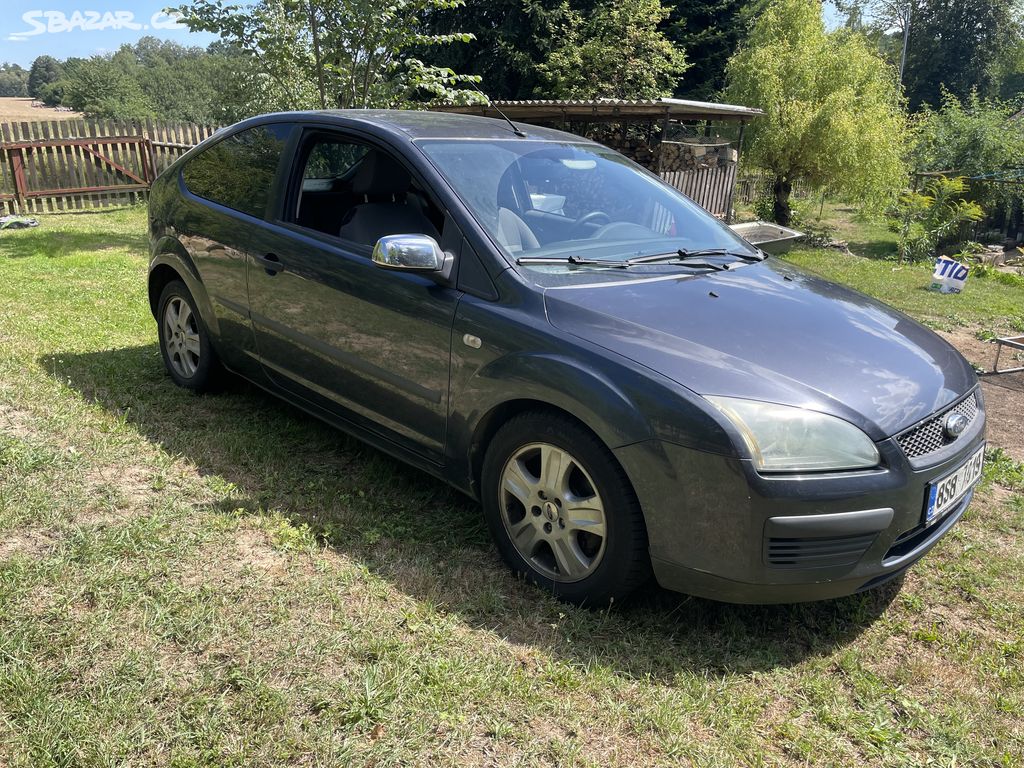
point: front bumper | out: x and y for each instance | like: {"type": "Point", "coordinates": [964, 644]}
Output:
{"type": "Point", "coordinates": [718, 529]}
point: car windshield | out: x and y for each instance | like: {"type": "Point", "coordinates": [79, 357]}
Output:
{"type": "Point", "coordinates": [567, 212]}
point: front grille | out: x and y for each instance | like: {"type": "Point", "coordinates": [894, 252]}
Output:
{"type": "Point", "coordinates": [818, 552]}
{"type": "Point", "coordinates": [930, 435]}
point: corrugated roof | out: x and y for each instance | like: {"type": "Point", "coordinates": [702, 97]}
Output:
{"type": "Point", "coordinates": [608, 109]}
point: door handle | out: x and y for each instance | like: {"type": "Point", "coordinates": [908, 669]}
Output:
{"type": "Point", "coordinates": [271, 264]}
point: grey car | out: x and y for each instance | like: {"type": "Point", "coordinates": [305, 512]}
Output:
{"type": "Point", "coordinates": [627, 387]}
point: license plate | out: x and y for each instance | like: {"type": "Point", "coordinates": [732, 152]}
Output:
{"type": "Point", "coordinates": [944, 494]}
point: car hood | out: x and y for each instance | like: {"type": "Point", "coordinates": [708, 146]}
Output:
{"type": "Point", "coordinates": [772, 332]}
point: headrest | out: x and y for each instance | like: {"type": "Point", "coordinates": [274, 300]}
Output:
{"type": "Point", "coordinates": [378, 174]}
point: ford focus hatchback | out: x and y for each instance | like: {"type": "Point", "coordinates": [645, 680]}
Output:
{"type": "Point", "coordinates": [626, 386]}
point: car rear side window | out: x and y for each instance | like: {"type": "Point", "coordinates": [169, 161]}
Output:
{"type": "Point", "coordinates": [239, 171]}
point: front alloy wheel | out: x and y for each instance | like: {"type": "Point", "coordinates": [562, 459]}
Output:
{"type": "Point", "coordinates": [562, 511]}
{"type": "Point", "coordinates": [553, 512]}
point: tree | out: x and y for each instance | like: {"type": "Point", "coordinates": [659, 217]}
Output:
{"type": "Point", "coordinates": [161, 78]}
{"type": "Point", "coordinates": [1008, 70]}
{"type": "Point", "coordinates": [104, 86]}
{"type": "Point", "coordinates": [956, 45]}
{"type": "Point", "coordinates": [833, 110]}
{"type": "Point", "coordinates": [13, 80]}
{"type": "Point", "coordinates": [334, 53]}
{"type": "Point", "coordinates": [886, 22]}
{"type": "Point", "coordinates": [44, 70]}
{"type": "Point", "coordinates": [959, 45]}
{"type": "Point", "coordinates": [511, 40]}
{"type": "Point", "coordinates": [181, 83]}
{"type": "Point", "coordinates": [973, 137]}
{"type": "Point", "coordinates": [709, 32]}
{"type": "Point", "coordinates": [617, 52]}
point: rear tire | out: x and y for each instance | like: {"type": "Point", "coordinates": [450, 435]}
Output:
{"type": "Point", "coordinates": [562, 511]}
{"type": "Point", "coordinates": [185, 342]}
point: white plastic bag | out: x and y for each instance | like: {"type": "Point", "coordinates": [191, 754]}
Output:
{"type": "Point", "coordinates": [950, 276]}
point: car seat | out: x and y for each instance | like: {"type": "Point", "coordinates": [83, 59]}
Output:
{"type": "Point", "coordinates": [389, 207]}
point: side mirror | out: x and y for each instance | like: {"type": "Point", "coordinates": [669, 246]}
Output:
{"type": "Point", "coordinates": [416, 253]}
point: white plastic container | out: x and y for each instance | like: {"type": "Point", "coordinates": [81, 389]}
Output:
{"type": "Point", "coordinates": [950, 276]}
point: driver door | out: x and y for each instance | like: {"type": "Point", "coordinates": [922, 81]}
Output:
{"type": "Point", "coordinates": [371, 346]}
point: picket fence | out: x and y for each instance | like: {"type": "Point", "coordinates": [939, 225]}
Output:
{"type": "Point", "coordinates": [60, 165]}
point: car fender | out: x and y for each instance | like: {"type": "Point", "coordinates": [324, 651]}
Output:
{"type": "Point", "coordinates": [523, 381]}
{"type": "Point", "coordinates": [168, 251]}
{"type": "Point", "coordinates": [566, 383]}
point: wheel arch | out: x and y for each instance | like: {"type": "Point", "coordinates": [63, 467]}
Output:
{"type": "Point", "coordinates": [489, 424]}
{"type": "Point", "coordinates": [552, 384]}
{"type": "Point", "coordinates": [159, 277]}
{"type": "Point", "coordinates": [171, 261]}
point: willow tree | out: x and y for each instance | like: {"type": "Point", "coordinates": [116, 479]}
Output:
{"type": "Point", "coordinates": [834, 114]}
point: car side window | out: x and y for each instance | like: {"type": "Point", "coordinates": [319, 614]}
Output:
{"type": "Point", "coordinates": [329, 161]}
{"type": "Point", "coordinates": [239, 171]}
{"type": "Point", "coordinates": [358, 192]}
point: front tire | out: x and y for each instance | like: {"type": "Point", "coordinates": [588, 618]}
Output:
{"type": "Point", "coordinates": [562, 512]}
{"type": "Point", "coordinates": [184, 341]}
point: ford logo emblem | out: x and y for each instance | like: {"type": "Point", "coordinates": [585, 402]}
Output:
{"type": "Point", "coordinates": [955, 424]}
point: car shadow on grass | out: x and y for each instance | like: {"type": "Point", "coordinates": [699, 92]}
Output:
{"type": "Point", "coordinates": [428, 540]}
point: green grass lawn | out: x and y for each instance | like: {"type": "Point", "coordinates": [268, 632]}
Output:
{"type": "Point", "coordinates": [985, 302]}
{"type": "Point", "coordinates": [991, 303]}
{"type": "Point", "coordinates": [222, 581]}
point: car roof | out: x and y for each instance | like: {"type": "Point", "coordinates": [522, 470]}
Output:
{"type": "Point", "coordinates": [412, 124]}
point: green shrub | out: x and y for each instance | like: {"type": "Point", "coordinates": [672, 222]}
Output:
{"type": "Point", "coordinates": [932, 217]}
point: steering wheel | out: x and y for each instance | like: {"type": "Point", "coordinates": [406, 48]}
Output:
{"type": "Point", "coordinates": [594, 217]}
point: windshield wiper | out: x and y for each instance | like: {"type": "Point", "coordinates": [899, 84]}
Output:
{"type": "Point", "coordinates": [574, 261]}
{"type": "Point", "coordinates": [752, 257]}
{"type": "Point", "coordinates": [684, 255]}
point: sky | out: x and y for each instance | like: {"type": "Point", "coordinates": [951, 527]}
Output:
{"type": "Point", "coordinates": [63, 28]}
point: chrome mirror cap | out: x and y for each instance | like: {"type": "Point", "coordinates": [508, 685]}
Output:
{"type": "Point", "coordinates": [416, 253]}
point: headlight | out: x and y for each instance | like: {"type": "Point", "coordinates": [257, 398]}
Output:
{"type": "Point", "coordinates": [782, 438]}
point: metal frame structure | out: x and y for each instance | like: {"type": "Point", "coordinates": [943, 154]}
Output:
{"type": "Point", "coordinates": [1014, 342]}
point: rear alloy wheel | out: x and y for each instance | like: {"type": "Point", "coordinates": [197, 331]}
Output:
{"type": "Point", "coordinates": [184, 342]}
{"type": "Point", "coordinates": [181, 337]}
{"type": "Point", "coordinates": [562, 512]}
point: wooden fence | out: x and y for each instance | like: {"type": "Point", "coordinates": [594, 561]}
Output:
{"type": "Point", "coordinates": [60, 165]}
{"type": "Point", "coordinates": [711, 188]}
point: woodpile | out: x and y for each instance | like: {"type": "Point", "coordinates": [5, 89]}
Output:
{"type": "Point", "coordinates": [679, 155]}
{"type": "Point", "coordinates": [686, 156]}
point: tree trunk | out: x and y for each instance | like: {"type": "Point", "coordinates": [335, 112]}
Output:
{"type": "Point", "coordinates": [783, 213]}
{"type": "Point", "coordinates": [317, 57]}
